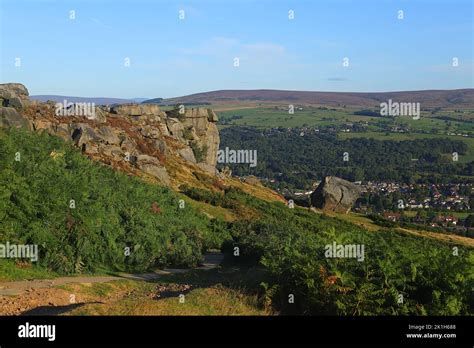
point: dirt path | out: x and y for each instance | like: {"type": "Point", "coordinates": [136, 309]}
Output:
{"type": "Point", "coordinates": [211, 260]}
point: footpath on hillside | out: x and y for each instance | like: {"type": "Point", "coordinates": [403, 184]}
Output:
{"type": "Point", "coordinates": [211, 261]}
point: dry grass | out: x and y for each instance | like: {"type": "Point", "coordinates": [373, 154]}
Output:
{"type": "Point", "coordinates": [369, 225]}
{"type": "Point", "coordinates": [139, 298]}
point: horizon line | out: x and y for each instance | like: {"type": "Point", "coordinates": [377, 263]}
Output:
{"type": "Point", "coordinates": [256, 90]}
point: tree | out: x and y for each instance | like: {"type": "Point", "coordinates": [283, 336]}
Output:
{"type": "Point", "coordinates": [469, 222]}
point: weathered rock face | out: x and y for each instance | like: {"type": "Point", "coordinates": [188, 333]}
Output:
{"type": "Point", "coordinates": [188, 154]}
{"type": "Point", "coordinates": [9, 117]}
{"type": "Point", "coordinates": [13, 98]}
{"type": "Point", "coordinates": [16, 88]}
{"type": "Point", "coordinates": [335, 194]}
{"type": "Point", "coordinates": [202, 130]}
{"type": "Point", "coordinates": [13, 95]}
{"type": "Point", "coordinates": [141, 111]}
{"type": "Point", "coordinates": [195, 128]}
{"type": "Point", "coordinates": [139, 137]}
{"type": "Point", "coordinates": [153, 167]}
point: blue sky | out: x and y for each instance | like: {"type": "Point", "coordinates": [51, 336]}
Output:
{"type": "Point", "coordinates": [171, 57]}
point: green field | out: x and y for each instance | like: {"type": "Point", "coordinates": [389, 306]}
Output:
{"type": "Point", "coordinates": [412, 136]}
{"type": "Point", "coordinates": [272, 117]}
{"type": "Point", "coordinates": [458, 214]}
{"type": "Point", "coordinates": [268, 117]}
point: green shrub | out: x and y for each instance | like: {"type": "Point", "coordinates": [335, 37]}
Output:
{"type": "Point", "coordinates": [200, 153]}
{"type": "Point", "coordinates": [290, 243]}
{"type": "Point", "coordinates": [112, 211]}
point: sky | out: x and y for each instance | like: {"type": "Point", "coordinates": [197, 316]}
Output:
{"type": "Point", "coordinates": [85, 53]}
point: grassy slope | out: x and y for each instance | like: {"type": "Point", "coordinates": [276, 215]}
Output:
{"type": "Point", "coordinates": [368, 224]}
{"type": "Point", "coordinates": [198, 301]}
{"type": "Point", "coordinates": [212, 293]}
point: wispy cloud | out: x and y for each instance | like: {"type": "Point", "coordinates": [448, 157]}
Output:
{"type": "Point", "coordinates": [99, 22]}
{"type": "Point", "coordinates": [327, 43]}
{"type": "Point", "coordinates": [263, 48]}
{"type": "Point", "coordinates": [230, 47]}
{"type": "Point", "coordinates": [211, 47]}
{"type": "Point", "coordinates": [338, 79]}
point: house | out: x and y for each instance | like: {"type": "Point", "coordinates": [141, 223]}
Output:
{"type": "Point", "coordinates": [446, 220]}
{"type": "Point", "coordinates": [391, 216]}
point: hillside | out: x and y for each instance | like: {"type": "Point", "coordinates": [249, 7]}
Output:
{"type": "Point", "coordinates": [96, 100]}
{"type": "Point", "coordinates": [114, 212]}
{"type": "Point", "coordinates": [458, 99]}
{"type": "Point", "coordinates": [133, 189]}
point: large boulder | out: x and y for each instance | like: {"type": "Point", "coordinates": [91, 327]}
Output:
{"type": "Point", "coordinates": [211, 116]}
{"type": "Point", "coordinates": [150, 132]}
{"type": "Point", "coordinates": [175, 128]}
{"type": "Point", "coordinates": [84, 134]}
{"type": "Point", "coordinates": [335, 194]}
{"type": "Point", "coordinates": [13, 95]}
{"type": "Point", "coordinates": [89, 138]}
{"type": "Point", "coordinates": [153, 167]}
{"type": "Point", "coordinates": [9, 117]}
{"type": "Point", "coordinates": [16, 88]}
{"type": "Point", "coordinates": [187, 154]}
{"type": "Point", "coordinates": [109, 135]}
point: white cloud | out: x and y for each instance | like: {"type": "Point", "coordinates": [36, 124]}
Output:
{"type": "Point", "coordinates": [225, 47]}
{"type": "Point", "coordinates": [214, 46]}
{"type": "Point", "coordinates": [263, 48]}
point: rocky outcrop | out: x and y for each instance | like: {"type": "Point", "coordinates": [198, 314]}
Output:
{"type": "Point", "coordinates": [153, 167]}
{"type": "Point", "coordinates": [335, 194]}
{"type": "Point", "coordinates": [13, 98]}
{"type": "Point", "coordinates": [138, 110]}
{"type": "Point", "coordinates": [195, 128]}
{"type": "Point", "coordinates": [137, 136]}
{"type": "Point", "coordinates": [9, 117]}
{"type": "Point", "coordinates": [14, 95]}
{"type": "Point", "coordinates": [252, 180]}
{"type": "Point", "coordinates": [201, 126]}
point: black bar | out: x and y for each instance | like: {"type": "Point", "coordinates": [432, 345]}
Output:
{"type": "Point", "coordinates": [242, 330]}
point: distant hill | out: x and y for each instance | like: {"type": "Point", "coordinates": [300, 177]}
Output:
{"type": "Point", "coordinates": [153, 101]}
{"type": "Point", "coordinates": [458, 98]}
{"type": "Point", "coordinates": [140, 100]}
{"type": "Point", "coordinates": [96, 100]}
